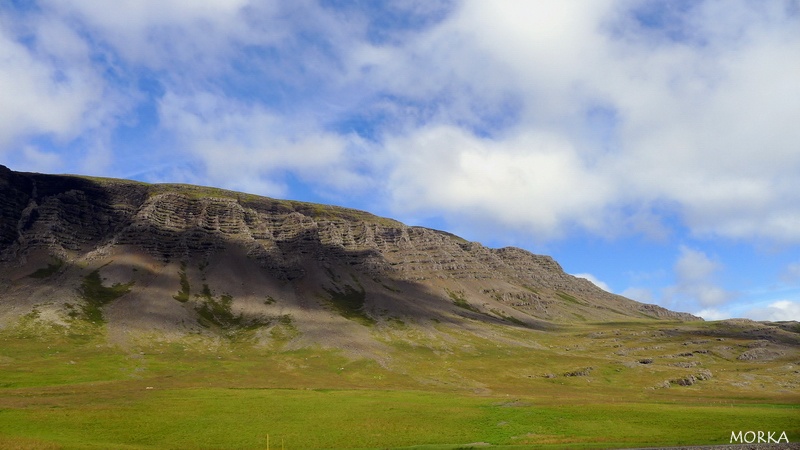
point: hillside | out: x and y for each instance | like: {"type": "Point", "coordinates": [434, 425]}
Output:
{"type": "Point", "coordinates": [140, 315]}
{"type": "Point", "coordinates": [187, 259]}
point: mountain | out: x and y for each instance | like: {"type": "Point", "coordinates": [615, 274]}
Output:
{"type": "Point", "coordinates": [179, 259]}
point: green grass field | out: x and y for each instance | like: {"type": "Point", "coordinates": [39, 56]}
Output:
{"type": "Point", "coordinates": [68, 388]}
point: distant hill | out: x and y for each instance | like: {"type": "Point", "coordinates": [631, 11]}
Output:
{"type": "Point", "coordinates": [178, 259]}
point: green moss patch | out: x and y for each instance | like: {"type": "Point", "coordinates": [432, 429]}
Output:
{"type": "Point", "coordinates": [461, 301]}
{"type": "Point", "coordinates": [566, 297]}
{"type": "Point", "coordinates": [218, 312]}
{"type": "Point", "coordinates": [183, 295]}
{"type": "Point", "coordinates": [285, 330]}
{"type": "Point", "coordinates": [96, 295]}
{"type": "Point", "coordinates": [508, 318]}
{"type": "Point", "coordinates": [349, 302]}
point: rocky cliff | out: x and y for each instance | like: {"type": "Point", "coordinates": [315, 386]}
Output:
{"type": "Point", "coordinates": [177, 248]}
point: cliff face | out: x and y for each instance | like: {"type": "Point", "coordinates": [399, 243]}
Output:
{"type": "Point", "coordinates": [295, 253]}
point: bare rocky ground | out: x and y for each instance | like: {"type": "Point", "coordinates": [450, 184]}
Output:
{"type": "Point", "coordinates": [253, 247]}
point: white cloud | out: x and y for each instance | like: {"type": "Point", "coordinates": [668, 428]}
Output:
{"type": "Point", "coordinates": [532, 181]}
{"type": "Point", "coordinates": [53, 90]}
{"type": "Point", "coordinates": [597, 282]}
{"type": "Point", "coordinates": [159, 33]}
{"type": "Point", "coordinates": [247, 147]}
{"type": "Point", "coordinates": [485, 115]}
{"type": "Point", "coordinates": [702, 125]}
{"type": "Point", "coordinates": [715, 138]}
{"type": "Point", "coordinates": [777, 311]}
{"type": "Point", "coordinates": [639, 294]}
{"type": "Point", "coordinates": [713, 314]}
{"type": "Point", "coordinates": [694, 266]}
{"type": "Point", "coordinates": [695, 281]}
{"type": "Point", "coordinates": [546, 46]}
{"type": "Point", "coordinates": [39, 94]}
{"type": "Point", "coordinates": [708, 126]}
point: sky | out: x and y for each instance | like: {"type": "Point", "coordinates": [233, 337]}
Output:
{"type": "Point", "coordinates": [652, 147]}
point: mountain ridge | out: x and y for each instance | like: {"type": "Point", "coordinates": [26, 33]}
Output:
{"type": "Point", "coordinates": [236, 251]}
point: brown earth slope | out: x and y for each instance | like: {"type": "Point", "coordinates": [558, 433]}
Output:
{"type": "Point", "coordinates": [179, 259]}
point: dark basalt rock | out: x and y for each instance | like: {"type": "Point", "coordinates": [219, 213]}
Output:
{"type": "Point", "coordinates": [72, 216]}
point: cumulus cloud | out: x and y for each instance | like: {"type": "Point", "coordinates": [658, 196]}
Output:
{"type": "Point", "coordinates": [777, 311]}
{"type": "Point", "coordinates": [56, 95]}
{"type": "Point", "coordinates": [695, 281]}
{"type": "Point", "coordinates": [249, 148]}
{"type": "Point", "coordinates": [697, 113]}
{"type": "Point", "coordinates": [158, 33]}
{"type": "Point", "coordinates": [547, 117]}
{"type": "Point", "coordinates": [75, 72]}
{"type": "Point", "coordinates": [533, 181]}
{"type": "Point", "coordinates": [47, 86]}
{"type": "Point", "coordinates": [713, 314]}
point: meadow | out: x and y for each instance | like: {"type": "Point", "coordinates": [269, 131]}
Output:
{"type": "Point", "coordinates": [588, 386]}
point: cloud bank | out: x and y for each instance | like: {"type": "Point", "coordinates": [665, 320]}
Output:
{"type": "Point", "coordinates": [543, 117]}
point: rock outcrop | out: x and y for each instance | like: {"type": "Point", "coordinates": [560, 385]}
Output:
{"type": "Point", "coordinates": [300, 247]}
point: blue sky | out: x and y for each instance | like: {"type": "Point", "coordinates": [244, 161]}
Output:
{"type": "Point", "coordinates": [651, 146]}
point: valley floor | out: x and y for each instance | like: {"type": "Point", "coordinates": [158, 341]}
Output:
{"type": "Point", "coordinates": [637, 384]}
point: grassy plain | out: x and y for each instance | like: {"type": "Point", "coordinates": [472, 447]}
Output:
{"type": "Point", "coordinates": [68, 388]}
